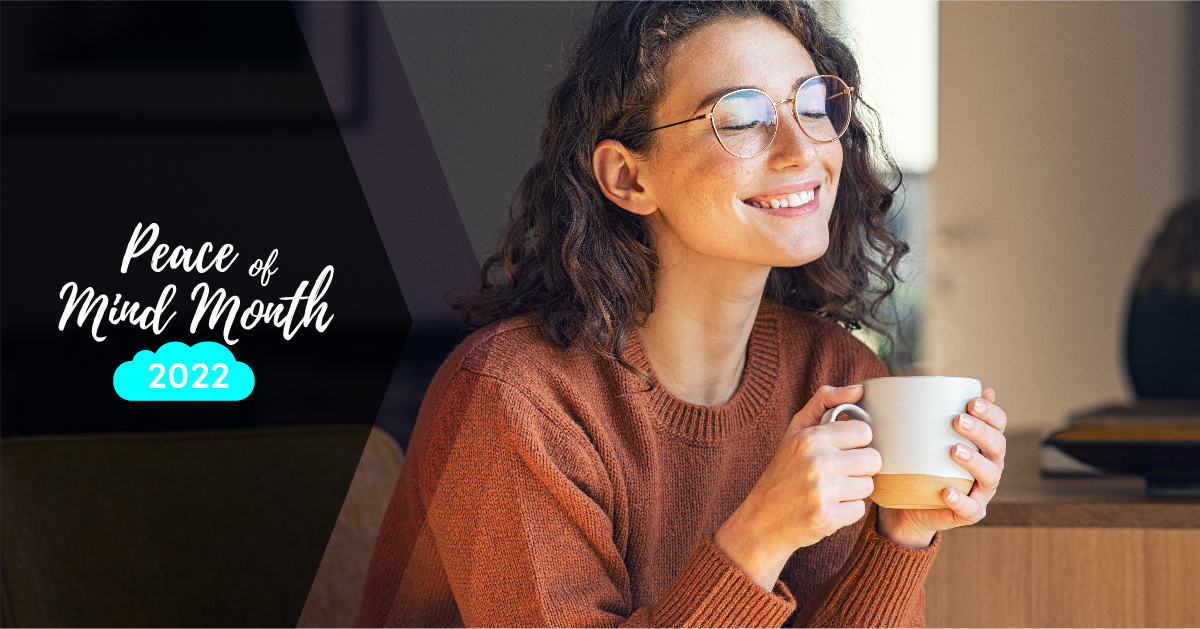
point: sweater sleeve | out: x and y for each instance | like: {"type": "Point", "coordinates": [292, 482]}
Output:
{"type": "Point", "coordinates": [524, 522]}
{"type": "Point", "coordinates": [881, 585]}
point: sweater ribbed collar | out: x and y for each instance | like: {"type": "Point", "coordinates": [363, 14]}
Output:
{"type": "Point", "coordinates": [707, 424]}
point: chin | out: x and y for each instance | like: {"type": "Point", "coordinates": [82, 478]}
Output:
{"type": "Point", "coordinates": [799, 256]}
{"type": "Point", "coordinates": [795, 262]}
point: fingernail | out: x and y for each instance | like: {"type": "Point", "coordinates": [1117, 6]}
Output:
{"type": "Point", "coordinates": [856, 386]}
{"type": "Point", "coordinates": [980, 406]}
{"type": "Point", "coordinates": [962, 452]}
{"type": "Point", "coordinates": [952, 496]}
{"type": "Point", "coordinates": [965, 422]}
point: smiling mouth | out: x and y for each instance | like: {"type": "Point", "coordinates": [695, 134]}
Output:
{"type": "Point", "coordinates": [795, 199]}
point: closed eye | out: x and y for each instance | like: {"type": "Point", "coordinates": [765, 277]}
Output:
{"type": "Point", "coordinates": [742, 127]}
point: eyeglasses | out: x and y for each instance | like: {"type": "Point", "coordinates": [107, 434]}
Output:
{"type": "Point", "coordinates": [745, 121]}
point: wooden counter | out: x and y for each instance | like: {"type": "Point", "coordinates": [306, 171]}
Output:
{"type": "Point", "coordinates": [1069, 552]}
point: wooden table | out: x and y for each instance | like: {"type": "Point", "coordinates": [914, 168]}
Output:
{"type": "Point", "coordinates": [1069, 552]}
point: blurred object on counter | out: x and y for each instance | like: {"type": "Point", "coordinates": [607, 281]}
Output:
{"type": "Point", "coordinates": [1159, 435]}
{"type": "Point", "coordinates": [1158, 439]}
{"type": "Point", "coordinates": [1162, 342]}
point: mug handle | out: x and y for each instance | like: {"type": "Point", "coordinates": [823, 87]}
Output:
{"type": "Point", "coordinates": [850, 410]}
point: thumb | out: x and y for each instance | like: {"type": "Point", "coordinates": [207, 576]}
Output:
{"type": "Point", "coordinates": [822, 400]}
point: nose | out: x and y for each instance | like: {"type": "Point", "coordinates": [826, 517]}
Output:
{"type": "Point", "coordinates": [792, 147]}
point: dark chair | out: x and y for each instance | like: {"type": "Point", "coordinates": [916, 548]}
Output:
{"type": "Point", "coordinates": [223, 528]}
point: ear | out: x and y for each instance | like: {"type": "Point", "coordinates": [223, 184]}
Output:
{"type": "Point", "coordinates": [622, 177]}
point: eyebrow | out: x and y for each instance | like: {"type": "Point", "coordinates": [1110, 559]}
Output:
{"type": "Point", "coordinates": [719, 92]}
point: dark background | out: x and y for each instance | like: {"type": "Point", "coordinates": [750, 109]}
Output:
{"type": "Point", "coordinates": [217, 129]}
{"type": "Point", "coordinates": [482, 74]}
{"type": "Point", "coordinates": [459, 85]}
{"type": "Point", "coordinates": [210, 120]}
{"type": "Point", "coordinates": [266, 126]}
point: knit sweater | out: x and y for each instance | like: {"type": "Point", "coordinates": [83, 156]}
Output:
{"type": "Point", "coordinates": [547, 486]}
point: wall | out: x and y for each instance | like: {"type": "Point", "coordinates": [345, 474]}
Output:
{"type": "Point", "coordinates": [1060, 152]}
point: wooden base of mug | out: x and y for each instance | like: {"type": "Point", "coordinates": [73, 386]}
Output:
{"type": "Point", "coordinates": [915, 491]}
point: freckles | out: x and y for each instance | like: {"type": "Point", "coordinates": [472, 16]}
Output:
{"type": "Point", "coordinates": [835, 161]}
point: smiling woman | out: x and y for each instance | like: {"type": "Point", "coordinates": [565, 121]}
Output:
{"type": "Point", "coordinates": [632, 437]}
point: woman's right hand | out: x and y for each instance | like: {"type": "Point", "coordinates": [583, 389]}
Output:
{"type": "Point", "coordinates": [815, 485]}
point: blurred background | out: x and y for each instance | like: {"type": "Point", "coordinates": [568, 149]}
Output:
{"type": "Point", "coordinates": [1068, 132]}
{"type": "Point", "coordinates": [1048, 150]}
{"type": "Point", "coordinates": [1044, 144]}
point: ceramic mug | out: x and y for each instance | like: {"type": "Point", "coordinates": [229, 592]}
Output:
{"type": "Point", "coordinates": [911, 419]}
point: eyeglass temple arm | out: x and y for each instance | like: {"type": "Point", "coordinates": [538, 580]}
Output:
{"type": "Point", "coordinates": [673, 124]}
{"type": "Point", "coordinates": [841, 93]}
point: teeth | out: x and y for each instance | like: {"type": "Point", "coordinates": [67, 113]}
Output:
{"type": "Point", "coordinates": [792, 201]}
{"type": "Point", "coordinates": [795, 199]}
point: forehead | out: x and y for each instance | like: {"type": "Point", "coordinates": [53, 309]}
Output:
{"type": "Point", "coordinates": [742, 52]}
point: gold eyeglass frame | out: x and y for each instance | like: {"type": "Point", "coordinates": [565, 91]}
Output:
{"type": "Point", "coordinates": [711, 115]}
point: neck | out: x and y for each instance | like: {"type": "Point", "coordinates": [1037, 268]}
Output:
{"type": "Point", "coordinates": [696, 338]}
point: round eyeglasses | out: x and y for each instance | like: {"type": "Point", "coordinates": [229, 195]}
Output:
{"type": "Point", "coordinates": [745, 121]}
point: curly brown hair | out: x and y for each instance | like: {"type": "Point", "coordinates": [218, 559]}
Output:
{"type": "Point", "coordinates": [585, 268]}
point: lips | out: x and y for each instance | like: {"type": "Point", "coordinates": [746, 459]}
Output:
{"type": "Point", "coordinates": [794, 199]}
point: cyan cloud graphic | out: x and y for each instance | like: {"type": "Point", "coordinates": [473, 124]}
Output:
{"type": "Point", "coordinates": [203, 372]}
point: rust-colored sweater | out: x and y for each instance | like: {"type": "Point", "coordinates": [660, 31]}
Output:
{"type": "Point", "coordinates": [553, 487]}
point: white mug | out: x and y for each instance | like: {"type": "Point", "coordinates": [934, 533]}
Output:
{"type": "Point", "coordinates": [911, 419]}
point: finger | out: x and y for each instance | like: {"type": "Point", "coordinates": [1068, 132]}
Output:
{"type": "Point", "coordinates": [823, 399]}
{"type": "Point", "coordinates": [986, 473]}
{"type": "Point", "coordinates": [978, 494]}
{"type": "Point", "coordinates": [827, 397]}
{"type": "Point", "coordinates": [989, 395]}
{"type": "Point", "coordinates": [988, 412]}
{"type": "Point", "coordinates": [845, 434]}
{"type": "Point", "coordinates": [966, 510]}
{"type": "Point", "coordinates": [860, 462]}
{"type": "Point", "coordinates": [855, 488]}
{"type": "Point", "coordinates": [849, 512]}
{"type": "Point", "coordinates": [991, 442]}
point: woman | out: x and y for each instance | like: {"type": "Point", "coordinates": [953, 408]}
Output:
{"type": "Point", "coordinates": [633, 437]}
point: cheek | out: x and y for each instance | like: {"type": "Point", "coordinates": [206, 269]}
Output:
{"type": "Point", "coordinates": [833, 162]}
{"type": "Point", "coordinates": [706, 190]}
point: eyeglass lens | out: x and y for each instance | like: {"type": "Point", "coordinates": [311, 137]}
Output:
{"type": "Point", "coordinates": [746, 120]}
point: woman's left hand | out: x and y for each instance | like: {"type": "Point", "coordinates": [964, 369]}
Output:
{"type": "Point", "coordinates": [983, 424]}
